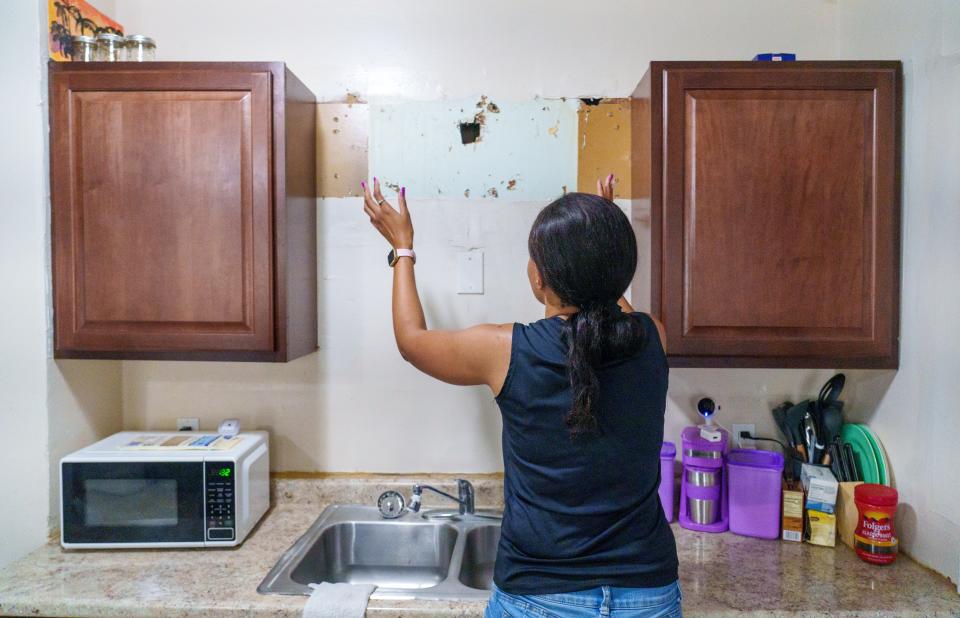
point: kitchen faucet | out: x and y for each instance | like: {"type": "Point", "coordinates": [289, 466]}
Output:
{"type": "Point", "coordinates": [465, 501]}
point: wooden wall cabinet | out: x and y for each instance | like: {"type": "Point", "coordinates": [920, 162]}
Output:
{"type": "Point", "coordinates": [183, 211]}
{"type": "Point", "coordinates": [775, 211]}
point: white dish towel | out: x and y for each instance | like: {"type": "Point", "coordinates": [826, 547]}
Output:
{"type": "Point", "coordinates": [338, 600]}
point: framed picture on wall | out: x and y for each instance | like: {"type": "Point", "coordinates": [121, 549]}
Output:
{"type": "Point", "coordinates": [71, 17]}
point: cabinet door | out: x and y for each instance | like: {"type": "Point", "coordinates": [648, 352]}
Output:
{"type": "Point", "coordinates": [161, 191]}
{"type": "Point", "coordinates": [775, 213]}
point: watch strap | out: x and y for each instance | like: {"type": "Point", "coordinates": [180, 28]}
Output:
{"type": "Point", "coordinates": [396, 254]}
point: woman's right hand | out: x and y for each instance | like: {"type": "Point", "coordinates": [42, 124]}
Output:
{"type": "Point", "coordinates": [605, 187]}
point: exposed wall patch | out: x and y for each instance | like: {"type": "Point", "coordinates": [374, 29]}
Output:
{"type": "Point", "coordinates": [510, 147]}
{"type": "Point", "coordinates": [343, 131]}
{"type": "Point", "coordinates": [604, 144]}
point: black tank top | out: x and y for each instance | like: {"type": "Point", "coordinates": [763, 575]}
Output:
{"type": "Point", "coordinates": [582, 513]}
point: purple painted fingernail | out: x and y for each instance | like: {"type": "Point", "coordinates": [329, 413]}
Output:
{"type": "Point", "coordinates": [403, 191]}
{"type": "Point", "coordinates": [374, 179]}
{"type": "Point", "coordinates": [363, 184]}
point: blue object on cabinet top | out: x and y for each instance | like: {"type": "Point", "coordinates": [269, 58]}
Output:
{"type": "Point", "coordinates": [781, 57]}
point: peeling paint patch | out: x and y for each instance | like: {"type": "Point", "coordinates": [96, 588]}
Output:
{"type": "Point", "coordinates": [528, 148]}
{"type": "Point", "coordinates": [342, 148]}
{"type": "Point", "coordinates": [604, 145]}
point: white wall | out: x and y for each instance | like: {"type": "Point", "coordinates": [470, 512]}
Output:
{"type": "Point", "coordinates": [433, 49]}
{"type": "Point", "coordinates": [24, 469]}
{"type": "Point", "coordinates": [355, 405]}
{"type": "Point", "coordinates": [918, 416]}
{"type": "Point", "coordinates": [47, 408]}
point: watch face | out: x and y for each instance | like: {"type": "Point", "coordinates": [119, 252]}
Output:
{"type": "Point", "coordinates": [390, 258]}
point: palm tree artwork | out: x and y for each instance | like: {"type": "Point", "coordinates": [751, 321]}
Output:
{"type": "Point", "coordinates": [72, 17]}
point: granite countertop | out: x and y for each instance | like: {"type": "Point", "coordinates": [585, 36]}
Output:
{"type": "Point", "coordinates": [721, 574]}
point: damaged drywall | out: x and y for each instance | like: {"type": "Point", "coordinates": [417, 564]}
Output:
{"type": "Point", "coordinates": [603, 144]}
{"type": "Point", "coordinates": [476, 148]}
{"type": "Point", "coordinates": [480, 148]}
{"type": "Point", "coordinates": [342, 147]}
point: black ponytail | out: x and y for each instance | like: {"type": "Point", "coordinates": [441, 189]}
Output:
{"type": "Point", "coordinates": [586, 252]}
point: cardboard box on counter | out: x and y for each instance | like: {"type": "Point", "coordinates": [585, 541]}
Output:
{"type": "Point", "coordinates": [792, 512]}
{"type": "Point", "coordinates": [821, 528]}
{"type": "Point", "coordinates": [820, 486]}
{"type": "Point", "coordinates": [848, 516]}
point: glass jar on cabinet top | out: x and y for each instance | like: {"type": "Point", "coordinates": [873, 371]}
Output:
{"type": "Point", "coordinates": [84, 48]}
{"type": "Point", "coordinates": [140, 48]}
{"type": "Point", "coordinates": [110, 47]}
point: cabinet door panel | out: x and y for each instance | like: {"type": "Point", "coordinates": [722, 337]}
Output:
{"type": "Point", "coordinates": [777, 209]}
{"type": "Point", "coordinates": [162, 211]}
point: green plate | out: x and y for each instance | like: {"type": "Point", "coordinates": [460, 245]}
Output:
{"type": "Point", "coordinates": [858, 440]}
{"type": "Point", "coordinates": [882, 464]}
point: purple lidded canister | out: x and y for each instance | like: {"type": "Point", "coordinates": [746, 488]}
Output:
{"type": "Point", "coordinates": [668, 454]}
{"type": "Point", "coordinates": [755, 489]}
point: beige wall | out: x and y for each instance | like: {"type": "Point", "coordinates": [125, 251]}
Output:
{"type": "Point", "coordinates": [83, 405]}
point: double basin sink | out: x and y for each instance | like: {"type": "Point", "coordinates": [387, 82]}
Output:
{"type": "Point", "coordinates": [413, 556]}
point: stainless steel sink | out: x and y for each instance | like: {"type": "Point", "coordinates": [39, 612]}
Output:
{"type": "Point", "coordinates": [414, 556]}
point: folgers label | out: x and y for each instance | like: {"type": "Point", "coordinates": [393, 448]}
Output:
{"type": "Point", "coordinates": [875, 539]}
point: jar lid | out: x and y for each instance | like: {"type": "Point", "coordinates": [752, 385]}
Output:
{"type": "Point", "coordinates": [109, 36]}
{"type": "Point", "coordinates": [83, 38]}
{"type": "Point", "coordinates": [141, 38]}
{"type": "Point", "coordinates": [872, 493]}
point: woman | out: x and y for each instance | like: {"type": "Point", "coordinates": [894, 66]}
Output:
{"type": "Point", "coordinates": [582, 395]}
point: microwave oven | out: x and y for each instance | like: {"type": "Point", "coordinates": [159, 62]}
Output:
{"type": "Point", "coordinates": [164, 489]}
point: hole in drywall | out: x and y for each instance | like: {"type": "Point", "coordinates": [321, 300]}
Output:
{"type": "Point", "coordinates": [469, 132]}
{"type": "Point", "coordinates": [591, 101]}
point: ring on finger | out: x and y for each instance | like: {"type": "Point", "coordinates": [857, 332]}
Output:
{"type": "Point", "coordinates": [381, 201]}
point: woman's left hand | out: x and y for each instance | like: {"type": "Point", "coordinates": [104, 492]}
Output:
{"type": "Point", "coordinates": [394, 224]}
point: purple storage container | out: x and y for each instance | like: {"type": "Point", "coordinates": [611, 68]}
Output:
{"type": "Point", "coordinates": [668, 454]}
{"type": "Point", "coordinates": [755, 485]}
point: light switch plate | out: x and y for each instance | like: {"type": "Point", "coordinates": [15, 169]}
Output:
{"type": "Point", "coordinates": [470, 272]}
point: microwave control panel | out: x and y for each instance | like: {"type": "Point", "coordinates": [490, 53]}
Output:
{"type": "Point", "coordinates": [221, 498]}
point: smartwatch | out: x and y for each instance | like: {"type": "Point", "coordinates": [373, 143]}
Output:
{"type": "Point", "coordinates": [395, 254]}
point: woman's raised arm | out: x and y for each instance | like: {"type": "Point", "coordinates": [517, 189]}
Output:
{"type": "Point", "coordinates": [476, 355]}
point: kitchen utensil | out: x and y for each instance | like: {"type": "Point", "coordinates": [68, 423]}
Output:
{"type": "Point", "coordinates": [861, 452]}
{"type": "Point", "coordinates": [846, 465]}
{"type": "Point", "coordinates": [878, 452]}
{"type": "Point", "coordinates": [780, 418]}
{"type": "Point", "coordinates": [836, 463]}
{"type": "Point", "coordinates": [831, 422]}
{"type": "Point", "coordinates": [854, 469]}
{"type": "Point", "coordinates": [794, 421]}
{"type": "Point", "coordinates": [830, 391]}
{"type": "Point", "coordinates": [810, 437]}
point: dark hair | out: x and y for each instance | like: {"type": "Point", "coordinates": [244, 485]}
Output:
{"type": "Point", "coordinates": [586, 252]}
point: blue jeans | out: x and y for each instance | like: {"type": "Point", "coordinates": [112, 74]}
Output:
{"type": "Point", "coordinates": [604, 601]}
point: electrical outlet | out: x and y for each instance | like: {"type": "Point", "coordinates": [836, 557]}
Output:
{"type": "Point", "coordinates": [188, 424]}
{"type": "Point", "coordinates": [743, 442]}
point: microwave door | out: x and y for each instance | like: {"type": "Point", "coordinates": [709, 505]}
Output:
{"type": "Point", "coordinates": [132, 503]}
